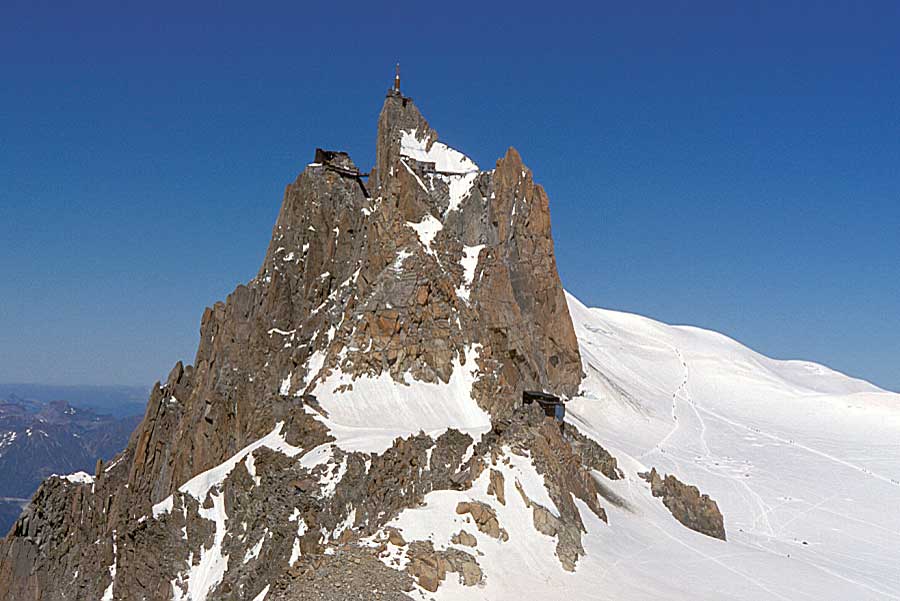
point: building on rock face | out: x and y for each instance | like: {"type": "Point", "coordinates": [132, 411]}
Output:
{"type": "Point", "coordinates": [335, 158]}
{"type": "Point", "coordinates": [552, 405]}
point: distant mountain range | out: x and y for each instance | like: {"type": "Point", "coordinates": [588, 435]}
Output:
{"type": "Point", "coordinates": [38, 439]}
{"type": "Point", "coordinates": [118, 401]}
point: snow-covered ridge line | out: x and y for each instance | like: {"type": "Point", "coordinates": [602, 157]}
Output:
{"type": "Point", "coordinates": [200, 485]}
{"type": "Point", "coordinates": [199, 579]}
{"type": "Point", "coordinates": [391, 409]}
{"type": "Point", "coordinates": [729, 347]}
{"type": "Point", "coordinates": [452, 167]}
{"type": "Point", "coordinates": [445, 159]}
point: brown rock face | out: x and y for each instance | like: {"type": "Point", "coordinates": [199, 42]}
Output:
{"type": "Point", "coordinates": [484, 517]}
{"type": "Point", "coordinates": [464, 538]}
{"type": "Point", "coordinates": [697, 512]}
{"type": "Point", "coordinates": [512, 303]}
{"type": "Point", "coordinates": [401, 275]}
{"type": "Point", "coordinates": [532, 338]}
{"type": "Point", "coordinates": [496, 487]}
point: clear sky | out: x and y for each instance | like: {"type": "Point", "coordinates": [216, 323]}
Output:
{"type": "Point", "coordinates": [736, 169]}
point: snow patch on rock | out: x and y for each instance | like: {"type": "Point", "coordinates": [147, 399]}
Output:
{"type": "Point", "coordinates": [444, 158]}
{"type": "Point", "coordinates": [76, 478]}
{"type": "Point", "coordinates": [378, 409]}
{"type": "Point", "coordinates": [469, 262]}
{"type": "Point", "coordinates": [426, 230]}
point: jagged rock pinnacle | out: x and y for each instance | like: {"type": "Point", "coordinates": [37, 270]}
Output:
{"type": "Point", "coordinates": [436, 277]}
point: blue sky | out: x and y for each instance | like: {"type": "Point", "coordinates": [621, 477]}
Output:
{"type": "Point", "coordinates": [736, 169]}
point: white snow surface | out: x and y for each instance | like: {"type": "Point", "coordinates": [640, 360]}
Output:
{"type": "Point", "coordinates": [454, 168]}
{"type": "Point", "coordinates": [459, 188]}
{"type": "Point", "coordinates": [108, 593]}
{"type": "Point", "coordinates": [426, 230]}
{"type": "Point", "coordinates": [76, 478]}
{"type": "Point", "coordinates": [285, 388]}
{"type": "Point", "coordinates": [469, 261]}
{"type": "Point", "coordinates": [804, 463]}
{"type": "Point", "coordinates": [413, 173]}
{"type": "Point", "coordinates": [444, 158]}
{"type": "Point", "coordinates": [378, 409]}
{"type": "Point", "coordinates": [524, 567]}
{"type": "Point", "coordinates": [204, 576]}
{"type": "Point", "coordinates": [250, 464]}
{"type": "Point", "coordinates": [163, 507]}
{"type": "Point", "coordinates": [301, 530]}
{"type": "Point", "coordinates": [262, 594]}
{"type": "Point", "coordinates": [792, 451]}
{"type": "Point", "coordinates": [254, 551]}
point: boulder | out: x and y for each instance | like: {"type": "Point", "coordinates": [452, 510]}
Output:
{"type": "Point", "coordinates": [496, 486]}
{"type": "Point", "coordinates": [395, 538]}
{"type": "Point", "coordinates": [464, 538]}
{"type": "Point", "coordinates": [484, 517]}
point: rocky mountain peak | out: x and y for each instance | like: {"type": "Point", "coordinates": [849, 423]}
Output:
{"type": "Point", "coordinates": [403, 273]}
{"type": "Point", "coordinates": [398, 114]}
{"type": "Point", "coordinates": [424, 300]}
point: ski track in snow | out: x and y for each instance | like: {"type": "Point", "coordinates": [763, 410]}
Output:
{"type": "Point", "coordinates": [719, 562]}
{"type": "Point", "coordinates": [764, 508]}
{"type": "Point", "coordinates": [787, 441]}
{"type": "Point", "coordinates": [682, 395]}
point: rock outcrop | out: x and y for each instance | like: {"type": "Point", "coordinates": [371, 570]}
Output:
{"type": "Point", "coordinates": [464, 538]}
{"type": "Point", "coordinates": [484, 517]}
{"type": "Point", "coordinates": [430, 567]}
{"type": "Point", "coordinates": [696, 511]}
{"type": "Point", "coordinates": [497, 486]}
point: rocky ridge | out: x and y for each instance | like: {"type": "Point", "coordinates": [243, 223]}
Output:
{"type": "Point", "coordinates": [39, 439]}
{"type": "Point", "coordinates": [686, 504]}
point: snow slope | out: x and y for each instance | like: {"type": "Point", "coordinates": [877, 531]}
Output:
{"type": "Point", "coordinates": [367, 414]}
{"type": "Point", "coordinates": [803, 461]}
